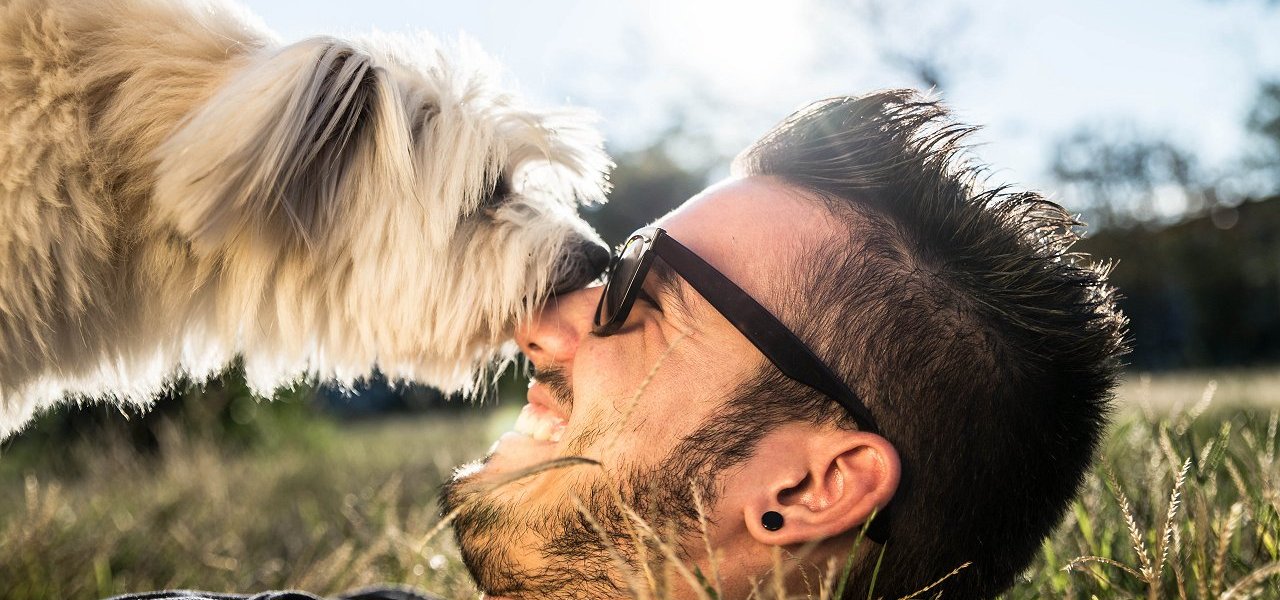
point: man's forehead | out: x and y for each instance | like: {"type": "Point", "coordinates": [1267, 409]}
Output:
{"type": "Point", "coordinates": [754, 230]}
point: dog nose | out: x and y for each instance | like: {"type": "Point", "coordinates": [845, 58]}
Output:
{"type": "Point", "coordinates": [598, 257]}
{"type": "Point", "coordinates": [584, 262]}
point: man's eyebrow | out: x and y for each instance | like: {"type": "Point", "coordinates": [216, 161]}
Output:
{"type": "Point", "coordinates": [667, 284]}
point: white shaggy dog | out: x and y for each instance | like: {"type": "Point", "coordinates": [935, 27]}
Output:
{"type": "Point", "coordinates": [178, 188]}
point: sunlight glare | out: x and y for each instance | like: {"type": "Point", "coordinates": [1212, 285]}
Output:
{"type": "Point", "coordinates": [742, 44]}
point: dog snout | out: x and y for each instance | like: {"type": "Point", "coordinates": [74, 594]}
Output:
{"type": "Point", "coordinates": [582, 264]}
{"type": "Point", "coordinates": [598, 256]}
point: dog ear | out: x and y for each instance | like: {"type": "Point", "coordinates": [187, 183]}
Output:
{"type": "Point", "coordinates": [280, 151]}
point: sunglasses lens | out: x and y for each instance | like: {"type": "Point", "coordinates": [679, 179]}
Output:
{"type": "Point", "coordinates": [621, 277]}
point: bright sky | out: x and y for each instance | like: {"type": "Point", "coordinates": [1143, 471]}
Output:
{"type": "Point", "coordinates": [1030, 71]}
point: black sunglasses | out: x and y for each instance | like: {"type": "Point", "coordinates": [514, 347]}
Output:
{"type": "Point", "coordinates": [626, 276]}
{"type": "Point", "coordinates": [779, 344]}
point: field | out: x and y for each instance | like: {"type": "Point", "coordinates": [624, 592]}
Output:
{"type": "Point", "coordinates": [1185, 502]}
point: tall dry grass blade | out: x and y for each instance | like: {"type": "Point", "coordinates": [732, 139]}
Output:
{"type": "Point", "coordinates": [875, 574]}
{"type": "Point", "coordinates": [1205, 452]}
{"type": "Point", "coordinates": [1218, 578]}
{"type": "Point", "coordinates": [634, 401]}
{"type": "Point", "coordinates": [1206, 399]}
{"type": "Point", "coordinates": [1178, 576]}
{"type": "Point", "coordinates": [1200, 572]}
{"type": "Point", "coordinates": [828, 582]}
{"type": "Point", "coordinates": [362, 562]}
{"type": "Point", "coordinates": [1250, 581]}
{"type": "Point", "coordinates": [796, 560]}
{"type": "Point", "coordinates": [777, 579]}
{"type": "Point", "coordinates": [546, 465]}
{"type": "Point", "coordinates": [634, 583]}
{"type": "Point", "coordinates": [31, 493]}
{"type": "Point", "coordinates": [321, 575]}
{"type": "Point", "coordinates": [806, 579]}
{"type": "Point", "coordinates": [712, 561]}
{"type": "Point", "coordinates": [936, 583]}
{"type": "Point", "coordinates": [1077, 564]}
{"type": "Point", "coordinates": [1135, 534]}
{"type": "Point", "coordinates": [637, 540]}
{"type": "Point", "coordinates": [853, 553]}
{"type": "Point", "coordinates": [642, 554]}
{"type": "Point", "coordinates": [671, 538]}
{"type": "Point", "coordinates": [1251, 441]}
{"type": "Point", "coordinates": [1236, 478]}
{"type": "Point", "coordinates": [1097, 574]}
{"type": "Point", "coordinates": [1144, 398]}
{"type": "Point", "coordinates": [542, 467]}
{"type": "Point", "coordinates": [1221, 445]}
{"type": "Point", "coordinates": [1270, 456]}
{"type": "Point", "coordinates": [1166, 447]}
{"type": "Point", "coordinates": [1166, 537]}
{"type": "Point", "coordinates": [672, 556]}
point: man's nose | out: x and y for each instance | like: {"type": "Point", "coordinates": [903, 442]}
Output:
{"type": "Point", "coordinates": [551, 335]}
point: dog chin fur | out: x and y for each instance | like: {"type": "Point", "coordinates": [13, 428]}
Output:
{"type": "Point", "coordinates": [179, 188]}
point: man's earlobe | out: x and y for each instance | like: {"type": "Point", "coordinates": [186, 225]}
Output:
{"type": "Point", "coordinates": [847, 477]}
{"type": "Point", "coordinates": [772, 520]}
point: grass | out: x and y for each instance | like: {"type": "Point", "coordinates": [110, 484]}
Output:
{"type": "Point", "coordinates": [1185, 503]}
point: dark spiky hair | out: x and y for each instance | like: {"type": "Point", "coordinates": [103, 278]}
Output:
{"type": "Point", "coordinates": [985, 348]}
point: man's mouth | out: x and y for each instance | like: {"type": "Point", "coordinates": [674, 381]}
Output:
{"type": "Point", "coordinates": [539, 423]}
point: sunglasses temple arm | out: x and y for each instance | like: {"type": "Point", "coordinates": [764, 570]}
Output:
{"type": "Point", "coordinates": [791, 355]}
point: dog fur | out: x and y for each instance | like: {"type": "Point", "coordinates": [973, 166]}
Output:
{"type": "Point", "coordinates": [177, 188]}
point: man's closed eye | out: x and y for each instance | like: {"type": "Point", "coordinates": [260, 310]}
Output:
{"type": "Point", "coordinates": [644, 296]}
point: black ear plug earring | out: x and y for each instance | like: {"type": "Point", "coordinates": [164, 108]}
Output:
{"type": "Point", "coordinates": [771, 520]}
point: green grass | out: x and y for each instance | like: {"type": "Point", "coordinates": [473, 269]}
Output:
{"type": "Point", "coordinates": [1184, 502]}
{"type": "Point", "coordinates": [302, 502]}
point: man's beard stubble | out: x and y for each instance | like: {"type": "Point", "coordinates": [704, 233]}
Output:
{"type": "Point", "coordinates": [575, 556]}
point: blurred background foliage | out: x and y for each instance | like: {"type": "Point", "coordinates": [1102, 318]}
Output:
{"type": "Point", "coordinates": [1197, 261]}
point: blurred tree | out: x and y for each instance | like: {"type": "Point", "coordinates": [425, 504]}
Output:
{"type": "Point", "coordinates": [1198, 257]}
{"type": "Point", "coordinates": [1203, 292]}
{"type": "Point", "coordinates": [1264, 123]}
{"type": "Point", "coordinates": [929, 56]}
{"type": "Point", "coordinates": [649, 182]}
{"type": "Point", "coordinates": [221, 410]}
{"type": "Point", "coordinates": [1121, 176]}
{"type": "Point", "coordinates": [921, 39]}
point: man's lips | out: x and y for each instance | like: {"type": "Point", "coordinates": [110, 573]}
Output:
{"type": "Point", "coordinates": [539, 424]}
{"type": "Point", "coordinates": [535, 436]}
{"type": "Point", "coordinates": [539, 419]}
{"type": "Point", "coordinates": [540, 396]}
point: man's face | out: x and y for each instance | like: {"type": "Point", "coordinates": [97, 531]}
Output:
{"type": "Point", "coordinates": [635, 401]}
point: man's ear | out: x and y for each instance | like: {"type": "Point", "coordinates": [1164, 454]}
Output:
{"type": "Point", "coordinates": [823, 481]}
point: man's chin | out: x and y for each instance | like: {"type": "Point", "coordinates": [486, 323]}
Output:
{"type": "Point", "coordinates": [464, 494]}
{"type": "Point", "coordinates": [478, 526]}
{"type": "Point", "coordinates": [524, 538]}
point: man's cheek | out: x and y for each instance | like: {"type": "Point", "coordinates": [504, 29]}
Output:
{"type": "Point", "coordinates": [614, 366]}
{"type": "Point", "coordinates": [589, 430]}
